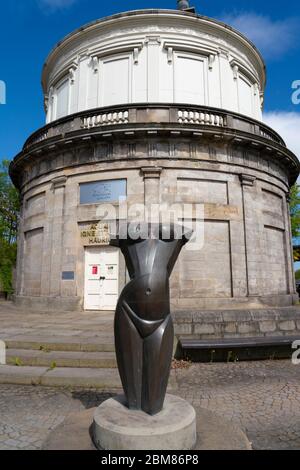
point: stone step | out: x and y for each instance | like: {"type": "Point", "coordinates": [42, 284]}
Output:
{"type": "Point", "coordinates": [104, 379]}
{"type": "Point", "coordinates": [98, 344]}
{"type": "Point", "coordinates": [27, 357]}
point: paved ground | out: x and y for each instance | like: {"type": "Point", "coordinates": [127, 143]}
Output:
{"type": "Point", "coordinates": [28, 414]}
{"type": "Point", "coordinates": [263, 398]}
{"type": "Point", "coordinates": [75, 326]}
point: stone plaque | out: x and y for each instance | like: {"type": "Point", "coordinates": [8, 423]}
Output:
{"type": "Point", "coordinates": [103, 191]}
{"type": "Point", "coordinates": [68, 276]}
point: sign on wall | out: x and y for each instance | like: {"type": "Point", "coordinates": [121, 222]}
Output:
{"type": "Point", "coordinates": [103, 191]}
{"type": "Point", "coordinates": [95, 270]}
{"type": "Point", "coordinates": [68, 276]}
{"type": "Point", "coordinates": [96, 234]}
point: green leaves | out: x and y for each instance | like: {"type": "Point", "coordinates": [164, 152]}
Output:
{"type": "Point", "coordinates": [295, 210]}
{"type": "Point", "coordinates": [9, 219]}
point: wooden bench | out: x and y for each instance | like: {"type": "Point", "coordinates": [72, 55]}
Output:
{"type": "Point", "coordinates": [236, 349]}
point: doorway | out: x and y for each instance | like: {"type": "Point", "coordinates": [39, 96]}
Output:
{"type": "Point", "coordinates": [101, 289]}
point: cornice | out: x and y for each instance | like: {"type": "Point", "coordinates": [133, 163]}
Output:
{"type": "Point", "coordinates": [145, 123]}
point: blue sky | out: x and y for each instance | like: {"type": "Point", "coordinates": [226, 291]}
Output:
{"type": "Point", "coordinates": [30, 28]}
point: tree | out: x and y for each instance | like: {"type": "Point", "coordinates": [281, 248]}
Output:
{"type": "Point", "coordinates": [297, 274]}
{"type": "Point", "coordinates": [295, 210]}
{"type": "Point", "coordinates": [9, 219]}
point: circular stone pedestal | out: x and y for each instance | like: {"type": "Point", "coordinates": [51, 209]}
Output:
{"type": "Point", "coordinates": [118, 428]}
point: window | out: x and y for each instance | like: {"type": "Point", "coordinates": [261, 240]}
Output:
{"type": "Point", "coordinates": [103, 191]}
{"type": "Point", "coordinates": [62, 99]}
{"type": "Point", "coordinates": [115, 80]}
{"type": "Point", "coordinates": [246, 94]}
{"type": "Point", "coordinates": [190, 82]}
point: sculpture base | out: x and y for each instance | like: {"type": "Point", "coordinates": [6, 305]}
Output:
{"type": "Point", "coordinates": [214, 433]}
{"type": "Point", "coordinates": [118, 428]}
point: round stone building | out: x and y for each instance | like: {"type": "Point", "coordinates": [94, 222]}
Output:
{"type": "Point", "coordinates": [155, 107]}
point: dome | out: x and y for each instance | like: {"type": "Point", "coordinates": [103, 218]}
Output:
{"type": "Point", "coordinates": [161, 56]}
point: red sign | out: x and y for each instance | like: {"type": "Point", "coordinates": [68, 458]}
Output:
{"type": "Point", "coordinates": [95, 270]}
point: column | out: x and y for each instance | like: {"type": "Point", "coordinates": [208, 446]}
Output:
{"type": "Point", "coordinates": [154, 45]}
{"type": "Point", "coordinates": [58, 200]}
{"type": "Point", "coordinates": [252, 233]}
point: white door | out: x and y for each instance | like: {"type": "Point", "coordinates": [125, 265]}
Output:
{"type": "Point", "coordinates": [101, 278]}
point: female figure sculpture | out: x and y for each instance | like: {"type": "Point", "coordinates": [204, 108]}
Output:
{"type": "Point", "coordinates": [144, 333]}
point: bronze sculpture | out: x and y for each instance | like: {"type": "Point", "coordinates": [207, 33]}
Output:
{"type": "Point", "coordinates": [144, 333]}
{"type": "Point", "coordinates": [183, 4]}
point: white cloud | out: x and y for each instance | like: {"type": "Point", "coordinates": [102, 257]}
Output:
{"type": "Point", "coordinates": [287, 124]}
{"type": "Point", "coordinates": [272, 37]}
{"type": "Point", "coordinates": [53, 5]}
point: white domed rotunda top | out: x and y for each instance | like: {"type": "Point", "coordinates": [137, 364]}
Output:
{"type": "Point", "coordinates": [154, 56]}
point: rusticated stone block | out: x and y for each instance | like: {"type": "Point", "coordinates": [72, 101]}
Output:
{"type": "Point", "coordinates": [230, 327]}
{"type": "Point", "coordinates": [265, 315]}
{"type": "Point", "coordinates": [267, 326]}
{"type": "Point", "coordinates": [246, 335]}
{"type": "Point", "coordinates": [210, 317]}
{"type": "Point", "coordinates": [204, 329]}
{"type": "Point", "coordinates": [182, 317]}
{"type": "Point", "coordinates": [183, 329]}
{"type": "Point", "coordinates": [249, 327]}
{"type": "Point", "coordinates": [288, 325]}
{"type": "Point", "coordinates": [237, 315]}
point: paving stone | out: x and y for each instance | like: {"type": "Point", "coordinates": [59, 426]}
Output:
{"type": "Point", "coordinates": [263, 398]}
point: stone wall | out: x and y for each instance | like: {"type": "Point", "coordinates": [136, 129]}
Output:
{"type": "Point", "coordinates": [246, 259]}
{"type": "Point", "coordinates": [217, 324]}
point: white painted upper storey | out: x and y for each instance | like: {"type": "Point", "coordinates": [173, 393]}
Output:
{"type": "Point", "coordinates": [154, 56]}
